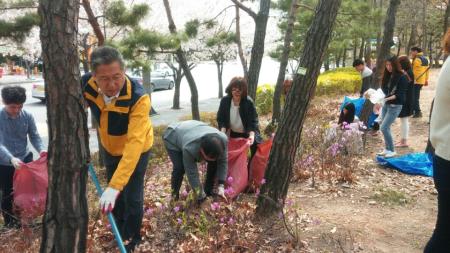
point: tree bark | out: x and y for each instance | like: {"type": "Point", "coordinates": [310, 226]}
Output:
{"type": "Point", "coordinates": [178, 76]}
{"type": "Point", "coordinates": [344, 56]}
{"type": "Point", "coordinates": [446, 16]}
{"type": "Point", "coordinates": [326, 63]}
{"type": "Point", "coordinates": [286, 142]}
{"type": "Point", "coordinates": [412, 37]}
{"type": "Point", "coordinates": [355, 48]}
{"type": "Point", "coordinates": [239, 43]}
{"type": "Point", "coordinates": [184, 64]}
{"type": "Point", "coordinates": [338, 60]}
{"type": "Point", "coordinates": [361, 49]}
{"type": "Point", "coordinates": [66, 216]}
{"type": "Point", "coordinates": [283, 63]}
{"type": "Point", "coordinates": [368, 53]}
{"type": "Point", "coordinates": [258, 47]}
{"type": "Point", "coordinates": [219, 65]}
{"type": "Point", "coordinates": [92, 19]}
{"type": "Point", "coordinates": [386, 44]}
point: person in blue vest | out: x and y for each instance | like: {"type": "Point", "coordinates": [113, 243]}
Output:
{"type": "Point", "coordinates": [121, 106]}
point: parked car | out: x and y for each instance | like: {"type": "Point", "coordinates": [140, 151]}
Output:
{"type": "Point", "coordinates": [38, 91]}
{"type": "Point", "coordinates": [161, 80]}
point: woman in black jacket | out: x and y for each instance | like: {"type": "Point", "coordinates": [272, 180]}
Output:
{"type": "Point", "coordinates": [237, 116]}
{"type": "Point", "coordinates": [407, 108]}
{"type": "Point", "coordinates": [394, 86]}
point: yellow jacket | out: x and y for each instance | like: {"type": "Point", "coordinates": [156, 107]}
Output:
{"type": "Point", "coordinates": [125, 128]}
{"type": "Point", "coordinates": [420, 67]}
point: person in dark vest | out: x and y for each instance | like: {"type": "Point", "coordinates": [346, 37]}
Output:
{"type": "Point", "coordinates": [121, 106]}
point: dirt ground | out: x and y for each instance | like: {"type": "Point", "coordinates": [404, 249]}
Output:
{"type": "Point", "coordinates": [384, 211]}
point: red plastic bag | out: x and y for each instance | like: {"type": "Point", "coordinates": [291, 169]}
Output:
{"type": "Point", "coordinates": [30, 188]}
{"type": "Point", "coordinates": [237, 177]}
{"type": "Point", "coordinates": [259, 163]}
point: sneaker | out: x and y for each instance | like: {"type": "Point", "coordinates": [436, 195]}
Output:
{"type": "Point", "coordinates": [390, 154]}
{"type": "Point", "coordinates": [383, 153]}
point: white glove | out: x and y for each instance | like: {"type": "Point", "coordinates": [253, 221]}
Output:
{"type": "Point", "coordinates": [221, 191]}
{"type": "Point", "coordinates": [108, 199]}
{"type": "Point", "coordinates": [16, 162]}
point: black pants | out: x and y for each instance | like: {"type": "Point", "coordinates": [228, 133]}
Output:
{"type": "Point", "coordinates": [178, 173]}
{"type": "Point", "coordinates": [6, 187]}
{"type": "Point", "coordinates": [416, 101]}
{"type": "Point", "coordinates": [128, 210]}
{"type": "Point", "coordinates": [440, 240]}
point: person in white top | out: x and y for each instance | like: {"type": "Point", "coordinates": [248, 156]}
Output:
{"type": "Point", "coordinates": [237, 116]}
{"type": "Point", "coordinates": [440, 139]}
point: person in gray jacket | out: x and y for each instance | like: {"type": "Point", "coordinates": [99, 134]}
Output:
{"type": "Point", "coordinates": [192, 141]}
{"type": "Point", "coordinates": [366, 75]}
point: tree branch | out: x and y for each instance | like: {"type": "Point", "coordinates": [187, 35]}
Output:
{"type": "Point", "coordinates": [245, 8]}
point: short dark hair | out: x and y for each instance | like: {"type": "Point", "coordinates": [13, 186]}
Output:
{"type": "Point", "coordinates": [212, 145]}
{"type": "Point", "coordinates": [239, 82]}
{"type": "Point", "coordinates": [418, 49]}
{"type": "Point", "coordinates": [14, 95]}
{"type": "Point", "coordinates": [105, 55]}
{"type": "Point", "coordinates": [357, 62]}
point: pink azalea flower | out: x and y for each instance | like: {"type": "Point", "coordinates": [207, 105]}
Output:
{"type": "Point", "coordinates": [263, 181]}
{"type": "Point", "coordinates": [215, 206]}
{"type": "Point", "coordinates": [229, 191]}
{"type": "Point", "coordinates": [179, 220]}
{"type": "Point", "coordinates": [176, 209]}
{"type": "Point", "coordinates": [184, 193]}
{"type": "Point", "coordinates": [231, 221]}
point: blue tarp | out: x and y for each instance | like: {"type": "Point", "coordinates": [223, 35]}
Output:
{"type": "Point", "coordinates": [359, 103]}
{"type": "Point", "coordinates": [414, 163]}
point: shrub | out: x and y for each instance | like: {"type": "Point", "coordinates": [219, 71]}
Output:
{"type": "Point", "coordinates": [208, 117]}
{"type": "Point", "coordinates": [264, 99]}
{"type": "Point", "coordinates": [158, 150]}
{"type": "Point", "coordinates": [338, 81]}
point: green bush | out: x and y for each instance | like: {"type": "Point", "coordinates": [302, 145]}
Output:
{"type": "Point", "coordinates": [338, 81]}
{"type": "Point", "coordinates": [264, 99]}
{"type": "Point", "coordinates": [158, 150]}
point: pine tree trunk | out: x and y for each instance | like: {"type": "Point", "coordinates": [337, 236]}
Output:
{"type": "Point", "coordinates": [412, 37]}
{"type": "Point", "coordinates": [184, 64]}
{"type": "Point", "coordinates": [368, 53]}
{"type": "Point", "coordinates": [258, 47]}
{"type": "Point", "coordinates": [239, 43]}
{"type": "Point", "coordinates": [361, 48]}
{"type": "Point", "coordinates": [283, 63]}
{"type": "Point", "coordinates": [326, 63]}
{"type": "Point", "coordinates": [355, 48]}
{"type": "Point", "coordinates": [287, 138]}
{"type": "Point", "coordinates": [219, 65]}
{"type": "Point", "coordinates": [176, 95]}
{"type": "Point", "coordinates": [344, 57]}
{"type": "Point", "coordinates": [386, 44]}
{"type": "Point", "coordinates": [338, 60]}
{"type": "Point", "coordinates": [446, 17]}
{"type": "Point", "coordinates": [66, 216]}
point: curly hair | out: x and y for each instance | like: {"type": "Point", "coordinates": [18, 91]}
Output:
{"type": "Point", "coordinates": [14, 95]}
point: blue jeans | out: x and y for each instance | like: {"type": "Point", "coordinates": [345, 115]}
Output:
{"type": "Point", "coordinates": [390, 113]}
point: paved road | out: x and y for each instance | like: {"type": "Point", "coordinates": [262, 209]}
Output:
{"type": "Point", "coordinates": [205, 76]}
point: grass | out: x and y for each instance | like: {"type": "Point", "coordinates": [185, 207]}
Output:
{"type": "Point", "coordinates": [390, 197]}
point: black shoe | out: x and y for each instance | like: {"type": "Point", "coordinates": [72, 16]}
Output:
{"type": "Point", "coordinates": [417, 115]}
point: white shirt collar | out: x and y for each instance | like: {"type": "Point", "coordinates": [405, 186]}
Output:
{"type": "Point", "coordinates": [108, 100]}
